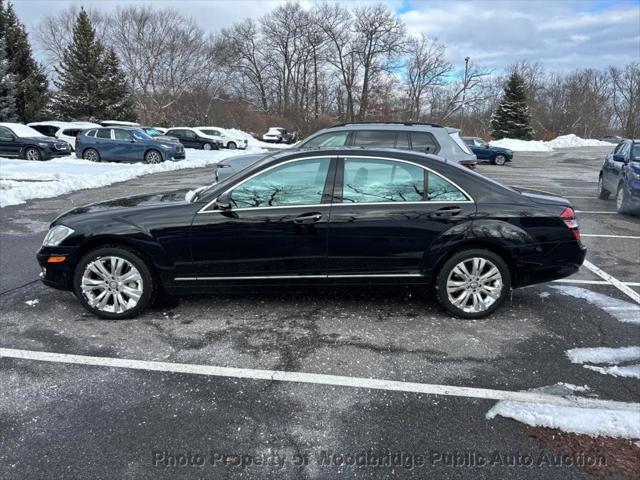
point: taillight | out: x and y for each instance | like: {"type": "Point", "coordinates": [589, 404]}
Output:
{"type": "Point", "coordinates": [568, 216]}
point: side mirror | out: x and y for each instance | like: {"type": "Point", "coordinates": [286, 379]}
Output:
{"type": "Point", "coordinates": [617, 158]}
{"type": "Point", "coordinates": [223, 202]}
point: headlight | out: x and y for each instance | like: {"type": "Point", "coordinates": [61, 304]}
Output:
{"type": "Point", "coordinates": [44, 145]}
{"type": "Point", "coordinates": [634, 175]}
{"type": "Point", "coordinates": [56, 235]}
{"type": "Point", "coordinates": [167, 147]}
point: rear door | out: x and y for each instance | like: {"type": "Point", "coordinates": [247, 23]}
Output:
{"type": "Point", "coordinates": [388, 215]}
{"type": "Point", "coordinates": [105, 144]}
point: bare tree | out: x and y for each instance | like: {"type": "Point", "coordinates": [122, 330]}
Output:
{"type": "Point", "coordinates": [626, 98]}
{"type": "Point", "coordinates": [426, 68]}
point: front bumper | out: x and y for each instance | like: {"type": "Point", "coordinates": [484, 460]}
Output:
{"type": "Point", "coordinates": [59, 274]}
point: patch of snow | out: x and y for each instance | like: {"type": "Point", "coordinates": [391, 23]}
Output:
{"type": "Point", "coordinates": [32, 303]}
{"type": "Point", "coordinates": [22, 180]}
{"type": "Point", "coordinates": [563, 141]}
{"type": "Point", "coordinates": [623, 311]}
{"type": "Point", "coordinates": [544, 294]}
{"type": "Point", "coordinates": [574, 388]}
{"type": "Point", "coordinates": [603, 354]}
{"type": "Point", "coordinates": [632, 371]}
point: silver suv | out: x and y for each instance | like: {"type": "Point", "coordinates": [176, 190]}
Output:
{"type": "Point", "coordinates": [423, 137]}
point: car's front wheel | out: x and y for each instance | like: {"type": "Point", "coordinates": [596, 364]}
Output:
{"type": "Point", "coordinates": [113, 282]}
{"type": "Point", "coordinates": [603, 194]}
{"type": "Point", "coordinates": [473, 283]}
{"type": "Point", "coordinates": [91, 154]}
{"type": "Point", "coordinates": [32, 153]}
{"type": "Point", "coordinates": [152, 157]}
{"type": "Point", "coordinates": [232, 145]}
{"type": "Point", "coordinates": [500, 159]}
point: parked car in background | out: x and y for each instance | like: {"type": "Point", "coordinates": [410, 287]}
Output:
{"type": "Point", "coordinates": [422, 137]}
{"type": "Point", "coordinates": [486, 153]}
{"type": "Point", "coordinates": [67, 131]}
{"type": "Point", "coordinates": [192, 138]}
{"type": "Point", "coordinates": [612, 138]}
{"type": "Point", "coordinates": [228, 140]}
{"type": "Point", "coordinates": [118, 123]}
{"type": "Point", "coordinates": [339, 216]}
{"type": "Point", "coordinates": [620, 175]}
{"type": "Point", "coordinates": [125, 144]}
{"type": "Point", "coordinates": [232, 165]}
{"type": "Point", "coordinates": [158, 134]}
{"type": "Point", "coordinates": [277, 135]}
{"type": "Point", "coordinates": [20, 141]}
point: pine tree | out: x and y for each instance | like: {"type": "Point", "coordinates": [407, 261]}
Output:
{"type": "Point", "coordinates": [30, 78]}
{"type": "Point", "coordinates": [511, 118]}
{"type": "Point", "coordinates": [7, 87]}
{"type": "Point", "coordinates": [81, 75]}
{"type": "Point", "coordinates": [115, 91]}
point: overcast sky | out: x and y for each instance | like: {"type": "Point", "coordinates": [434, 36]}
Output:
{"type": "Point", "coordinates": [561, 34]}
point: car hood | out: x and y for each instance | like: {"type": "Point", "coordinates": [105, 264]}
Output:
{"type": "Point", "coordinates": [124, 204]}
{"type": "Point", "coordinates": [499, 149]}
{"type": "Point", "coordinates": [544, 198]}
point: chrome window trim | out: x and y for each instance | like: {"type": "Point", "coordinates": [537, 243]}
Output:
{"type": "Point", "coordinates": [423, 202]}
{"type": "Point", "coordinates": [288, 277]}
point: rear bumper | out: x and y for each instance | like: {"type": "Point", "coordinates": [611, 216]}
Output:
{"type": "Point", "coordinates": [562, 260]}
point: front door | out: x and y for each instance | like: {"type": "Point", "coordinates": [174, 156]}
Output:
{"type": "Point", "coordinates": [389, 215]}
{"type": "Point", "coordinates": [9, 144]}
{"type": "Point", "coordinates": [275, 225]}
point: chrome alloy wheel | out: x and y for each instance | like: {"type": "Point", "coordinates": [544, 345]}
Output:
{"type": "Point", "coordinates": [32, 154]}
{"type": "Point", "coordinates": [474, 285]}
{"type": "Point", "coordinates": [153, 157]}
{"type": "Point", "coordinates": [91, 155]}
{"type": "Point", "coordinates": [112, 284]}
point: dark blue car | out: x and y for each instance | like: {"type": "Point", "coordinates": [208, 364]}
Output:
{"type": "Point", "coordinates": [487, 153]}
{"type": "Point", "coordinates": [125, 144]}
{"type": "Point", "coordinates": [620, 175]}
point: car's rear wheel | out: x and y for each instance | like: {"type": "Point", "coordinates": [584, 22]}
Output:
{"type": "Point", "coordinates": [500, 159]}
{"type": "Point", "coordinates": [622, 202]}
{"type": "Point", "coordinates": [32, 153]}
{"type": "Point", "coordinates": [91, 154]}
{"type": "Point", "coordinates": [232, 146]}
{"type": "Point", "coordinates": [473, 283]}
{"type": "Point", "coordinates": [207, 146]}
{"type": "Point", "coordinates": [113, 283]}
{"type": "Point", "coordinates": [603, 194]}
{"type": "Point", "coordinates": [152, 157]}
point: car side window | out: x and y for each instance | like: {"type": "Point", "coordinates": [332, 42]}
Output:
{"type": "Point", "coordinates": [375, 138]}
{"type": "Point", "coordinates": [624, 151]}
{"type": "Point", "coordinates": [6, 133]}
{"type": "Point", "coordinates": [635, 154]}
{"type": "Point", "coordinates": [423, 142]}
{"type": "Point", "coordinates": [122, 135]}
{"type": "Point", "coordinates": [91, 133]}
{"type": "Point", "coordinates": [480, 143]}
{"type": "Point", "coordinates": [402, 141]}
{"type": "Point", "coordinates": [71, 133]}
{"type": "Point", "coordinates": [368, 180]}
{"type": "Point", "coordinates": [104, 133]}
{"type": "Point", "coordinates": [440, 189]}
{"type": "Point", "coordinates": [189, 134]}
{"type": "Point", "coordinates": [331, 139]}
{"type": "Point", "coordinates": [297, 183]}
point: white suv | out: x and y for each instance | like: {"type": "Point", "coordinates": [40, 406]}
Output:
{"type": "Point", "coordinates": [228, 140]}
{"type": "Point", "coordinates": [67, 131]}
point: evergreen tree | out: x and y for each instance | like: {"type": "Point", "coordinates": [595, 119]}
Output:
{"type": "Point", "coordinates": [115, 91]}
{"type": "Point", "coordinates": [511, 118]}
{"type": "Point", "coordinates": [81, 75]}
{"type": "Point", "coordinates": [7, 87]}
{"type": "Point", "coordinates": [29, 76]}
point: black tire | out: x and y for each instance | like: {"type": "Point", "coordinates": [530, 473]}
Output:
{"type": "Point", "coordinates": [499, 159]}
{"type": "Point", "coordinates": [91, 154]}
{"type": "Point", "coordinates": [153, 157]}
{"type": "Point", "coordinates": [32, 153]}
{"type": "Point", "coordinates": [208, 146]}
{"type": "Point", "coordinates": [466, 255]}
{"type": "Point", "coordinates": [149, 281]}
{"type": "Point", "coordinates": [603, 194]}
{"type": "Point", "coordinates": [622, 201]}
{"type": "Point", "coordinates": [232, 145]}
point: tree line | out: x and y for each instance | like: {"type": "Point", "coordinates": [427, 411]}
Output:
{"type": "Point", "coordinates": [304, 68]}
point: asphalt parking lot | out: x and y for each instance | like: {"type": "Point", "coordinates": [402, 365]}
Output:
{"type": "Point", "coordinates": [61, 419]}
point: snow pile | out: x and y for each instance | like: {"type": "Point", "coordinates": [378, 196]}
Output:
{"type": "Point", "coordinates": [252, 142]}
{"type": "Point", "coordinates": [564, 141]}
{"type": "Point", "coordinates": [604, 355]}
{"type": "Point", "coordinates": [612, 422]}
{"type": "Point", "coordinates": [22, 180]}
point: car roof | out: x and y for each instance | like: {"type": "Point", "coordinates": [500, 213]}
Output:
{"type": "Point", "coordinates": [386, 125]}
{"type": "Point", "coordinates": [360, 151]}
{"type": "Point", "coordinates": [121, 127]}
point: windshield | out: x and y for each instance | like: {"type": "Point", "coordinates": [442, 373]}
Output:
{"type": "Point", "coordinates": [22, 130]}
{"type": "Point", "coordinates": [152, 132]}
{"type": "Point", "coordinates": [140, 135]}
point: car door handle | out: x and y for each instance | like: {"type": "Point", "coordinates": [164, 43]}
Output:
{"type": "Point", "coordinates": [445, 212]}
{"type": "Point", "coordinates": [307, 218]}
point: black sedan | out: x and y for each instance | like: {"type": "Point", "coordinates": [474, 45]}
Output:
{"type": "Point", "coordinates": [21, 141]}
{"type": "Point", "coordinates": [342, 215]}
{"type": "Point", "coordinates": [192, 138]}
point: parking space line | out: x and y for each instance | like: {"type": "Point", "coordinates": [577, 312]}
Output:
{"type": "Point", "coordinates": [614, 281]}
{"type": "Point", "coordinates": [610, 212]}
{"type": "Point", "coordinates": [594, 282]}
{"type": "Point", "coordinates": [317, 379]}
{"type": "Point", "coordinates": [634, 237]}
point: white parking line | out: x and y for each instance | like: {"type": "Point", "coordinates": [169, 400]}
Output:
{"type": "Point", "coordinates": [594, 282]}
{"type": "Point", "coordinates": [318, 379]}
{"type": "Point", "coordinates": [634, 237]}
{"type": "Point", "coordinates": [613, 281]}
{"type": "Point", "coordinates": [610, 212]}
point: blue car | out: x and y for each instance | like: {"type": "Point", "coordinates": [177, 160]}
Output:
{"type": "Point", "coordinates": [620, 175]}
{"type": "Point", "coordinates": [125, 144]}
{"type": "Point", "coordinates": [487, 153]}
